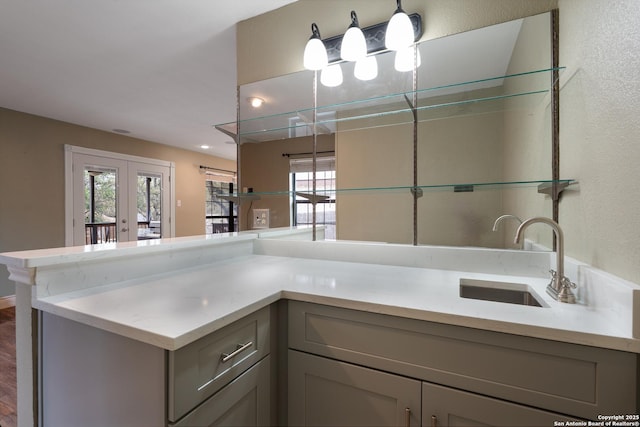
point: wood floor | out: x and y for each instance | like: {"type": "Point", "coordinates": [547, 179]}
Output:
{"type": "Point", "coordinates": [8, 415]}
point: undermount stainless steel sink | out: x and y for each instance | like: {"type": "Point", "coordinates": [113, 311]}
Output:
{"type": "Point", "coordinates": [511, 293]}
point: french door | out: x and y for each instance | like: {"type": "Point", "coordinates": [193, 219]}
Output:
{"type": "Point", "coordinates": [116, 198]}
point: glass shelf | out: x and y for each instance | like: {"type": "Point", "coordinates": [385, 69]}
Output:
{"type": "Point", "coordinates": [324, 194]}
{"type": "Point", "coordinates": [494, 94]}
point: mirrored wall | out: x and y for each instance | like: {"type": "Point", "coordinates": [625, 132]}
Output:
{"type": "Point", "coordinates": [432, 156]}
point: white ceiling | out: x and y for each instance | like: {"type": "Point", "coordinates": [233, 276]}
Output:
{"type": "Point", "coordinates": [165, 70]}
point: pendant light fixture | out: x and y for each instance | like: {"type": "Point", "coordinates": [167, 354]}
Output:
{"type": "Point", "coordinates": [405, 58]}
{"type": "Point", "coordinates": [399, 34]}
{"type": "Point", "coordinates": [354, 46]}
{"type": "Point", "coordinates": [399, 30]}
{"type": "Point", "coordinates": [331, 76]}
{"type": "Point", "coordinates": [315, 53]}
{"type": "Point", "coordinates": [366, 68]}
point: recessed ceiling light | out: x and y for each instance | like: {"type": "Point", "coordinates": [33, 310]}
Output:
{"type": "Point", "coordinates": [123, 131]}
{"type": "Point", "coordinates": [205, 146]}
{"type": "Point", "coordinates": [255, 101]}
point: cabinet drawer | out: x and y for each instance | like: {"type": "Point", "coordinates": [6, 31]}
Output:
{"type": "Point", "coordinates": [203, 367]}
{"type": "Point", "coordinates": [243, 402]}
{"type": "Point", "coordinates": [572, 379]}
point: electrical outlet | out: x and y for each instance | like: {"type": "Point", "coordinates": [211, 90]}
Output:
{"type": "Point", "coordinates": [260, 218]}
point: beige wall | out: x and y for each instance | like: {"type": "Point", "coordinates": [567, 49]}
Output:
{"type": "Point", "coordinates": [266, 170]}
{"type": "Point", "coordinates": [32, 179]}
{"type": "Point", "coordinates": [367, 158]}
{"type": "Point", "coordinates": [600, 109]}
{"type": "Point", "coordinates": [600, 132]}
{"type": "Point", "coordinates": [463, 149]}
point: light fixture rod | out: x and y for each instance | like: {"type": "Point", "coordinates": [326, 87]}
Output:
{"type": "Point", "coordinates": [374, 35]}
{"type": "Point", "coordinates": [208, 168]}
{"type": "Point", "coordinates": [306, 154]}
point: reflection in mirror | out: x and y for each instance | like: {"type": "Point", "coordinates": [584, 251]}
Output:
{"type": "Point", "coordinates": [287, 106]}
{"type": "Point", "coordinates": [474, 127]}
{"type": "Point", "coordinates": [483, 119]}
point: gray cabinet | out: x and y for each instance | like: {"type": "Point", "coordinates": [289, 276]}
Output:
{"type": "Point", "coordinates": [445, 406]}
{"type": "Point", "coordinates": [325, 392]}
{"type": "Point", "coordinates": [223, 378]}
{"type": "Point", "coordinates": [91, 377]}
{"type": "Point", "coordinates": [242, 403]}
{"type": "Point", "coordinates": [468, 371]}
{"type": "Point", "coordinates": [109, 380]}
{"type": "Point", "coordinates": [200, 369]}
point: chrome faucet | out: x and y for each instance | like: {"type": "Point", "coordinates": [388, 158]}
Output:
{"type": "Point", "coordinates": [560, 286]}
{"type": "Point", "coordinates": [502, 218]}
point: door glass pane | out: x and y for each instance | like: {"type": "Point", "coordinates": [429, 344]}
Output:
{"type": "Point", "coordinates": [149, 206]}
{"type": "Point", "coordinates": [100, 196]}
{"type": "Point", "coordinates": [221, 216]}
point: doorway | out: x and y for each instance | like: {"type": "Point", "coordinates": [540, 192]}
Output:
{"type": "Point", "coordinates": [112, 197]}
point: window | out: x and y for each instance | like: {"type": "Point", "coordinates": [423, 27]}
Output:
{"type": "Point", "coordinates": [301, 178]}
{"type": "Point", "coordinates": [221, 216]}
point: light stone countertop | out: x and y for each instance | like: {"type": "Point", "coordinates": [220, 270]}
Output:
{"type": "Point", "coordinates": [170, 292]}
{"type": "Point", "coordinates": [172, 309]}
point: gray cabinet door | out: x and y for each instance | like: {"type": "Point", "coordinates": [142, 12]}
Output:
{"type": "Point", "coordinates": [444, 406]}
{"type": "Point", "coordinates": [245, 402]}
{"type": "Point", "coordinates": [325, 392]}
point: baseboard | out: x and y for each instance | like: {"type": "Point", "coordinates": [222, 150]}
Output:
{"type": "Point", "coordinates": [8, 301]}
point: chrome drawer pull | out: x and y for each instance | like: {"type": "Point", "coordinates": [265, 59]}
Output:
{"type": "Point", "coordinates": [241, 347]}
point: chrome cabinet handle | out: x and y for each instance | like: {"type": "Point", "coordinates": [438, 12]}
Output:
{"type": "Point", "coordinates": [225, 357]}
{"type": "Point", "coordinates": [407, 417]}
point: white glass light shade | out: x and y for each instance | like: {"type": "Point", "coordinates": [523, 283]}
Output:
{"type": "Point", "coordinates": [366, 68]}
{"type": "Point", "coordinates": [354, 46]}
{"type": "Point", "coordinates": [404, 59]}
{"type": "Point", "coordinates": [315, 55]}
{"type": "Point", "coordinates": [399, 32]}
{"type": "Point", "coordinates": [331, 76]}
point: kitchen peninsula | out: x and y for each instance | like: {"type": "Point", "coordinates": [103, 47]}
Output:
{"type": "Point", "coordinates": [159, 331]}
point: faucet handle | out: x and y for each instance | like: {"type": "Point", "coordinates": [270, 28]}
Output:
{"type": "Point", "coordinates": [564, 281]}
{"type": "Point", "coordinates": [567, 283]}
{"type": "Point", "coordinates": [554, 279]}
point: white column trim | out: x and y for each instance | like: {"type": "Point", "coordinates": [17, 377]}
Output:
{"type": "Point", "coordinates": [22, 275]}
